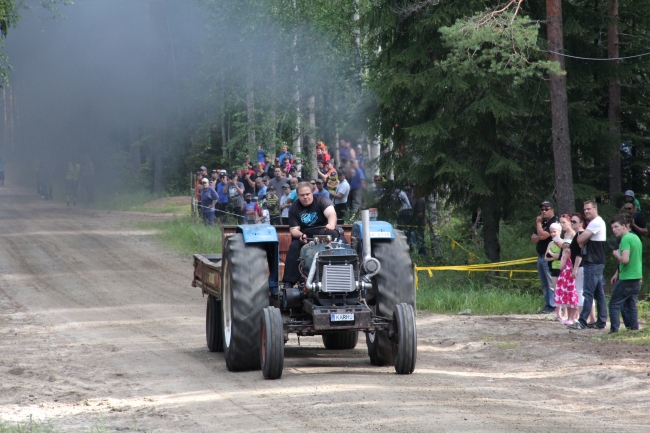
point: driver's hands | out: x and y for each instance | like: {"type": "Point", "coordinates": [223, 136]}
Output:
{"type": "Point", "coordinates": [303, 238]}
{"type": "Point", "coordinates": [330, 226]}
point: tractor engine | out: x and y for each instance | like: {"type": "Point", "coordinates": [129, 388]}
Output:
{"type": "Point", "coordinates": [332, 272]}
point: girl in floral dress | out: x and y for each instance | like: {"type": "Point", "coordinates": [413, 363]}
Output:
{"type": "Point", "coordinates": [565, 290]}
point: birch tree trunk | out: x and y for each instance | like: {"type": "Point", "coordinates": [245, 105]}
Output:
{"type": "Point", "coordinates": [614, 110]}
{"type": "Point", "coordinates": [559, 112]}
{"type": "Point", "coordinates": [311, 141]}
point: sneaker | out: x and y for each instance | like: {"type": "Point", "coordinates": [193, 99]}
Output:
{"type": "Point", "coordinates": [595, 325]}
{"type": "Point", "coordinates": [577, 325]}
{"type": "Point", "coordinates": [546, 310]}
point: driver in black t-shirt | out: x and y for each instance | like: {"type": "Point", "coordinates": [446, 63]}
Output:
{"type": "Point", "coordinates": [310, 215]}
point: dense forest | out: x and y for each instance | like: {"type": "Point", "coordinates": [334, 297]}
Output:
{"type": "Point", "coordinates": [476, 104]}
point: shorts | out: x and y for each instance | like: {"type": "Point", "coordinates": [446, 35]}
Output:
{"type": "Point", "coordinates": [555, 272]}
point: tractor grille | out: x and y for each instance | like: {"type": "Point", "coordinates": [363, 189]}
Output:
{"type": "Point", "coordinates": [338, 278]}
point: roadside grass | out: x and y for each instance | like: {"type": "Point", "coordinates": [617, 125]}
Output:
{"type": "Point", "coordinates": [640, 337]}
{"type": "Point", "coordinates": [453, 295]}
{"type": "Point", "coordinates": [142, 202]}
{"type": "Point", "coordinates": [38, 426]}
{"type": "Point", "coordinates": [185, 236]}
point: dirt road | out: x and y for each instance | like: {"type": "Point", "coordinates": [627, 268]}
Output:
{"type": "Point", "coordinates": [98, 322]}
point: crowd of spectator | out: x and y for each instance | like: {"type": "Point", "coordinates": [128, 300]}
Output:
{"type": "Point", "coordinates": [263, 190]}
{"type": "Point", "coordinates": [571, 259]}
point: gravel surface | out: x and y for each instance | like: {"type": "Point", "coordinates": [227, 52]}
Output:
{"type": "Point", "coordinates": [99, 324]}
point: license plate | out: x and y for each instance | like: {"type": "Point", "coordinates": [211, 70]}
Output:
{"type": "Point", "coordinates": [380, 234]}
{"type": "Point", "coordinates": [349, 317]}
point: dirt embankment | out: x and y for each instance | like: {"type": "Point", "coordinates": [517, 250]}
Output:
{"type": "Point", "coordinates": [98, 322]}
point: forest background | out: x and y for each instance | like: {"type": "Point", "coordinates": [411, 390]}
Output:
{"type": "Point", "coordinates": [456, 97]}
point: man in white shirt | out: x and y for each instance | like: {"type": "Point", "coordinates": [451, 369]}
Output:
{"type": "Point", "coordinates": [340, 197]}
{"type": "Point", "coordinates": [593, 262]}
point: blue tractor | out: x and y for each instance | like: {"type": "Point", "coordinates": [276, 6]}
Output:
{"type": "Point", "coordinates": [365, 285]}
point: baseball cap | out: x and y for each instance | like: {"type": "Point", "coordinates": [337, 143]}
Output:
{"type": "Point", "coordinates": [271, 188]}
{"type": "Point", "coordinates": [205, 180]}
{"type": "Point", "coordinates": [203, 168]}
{"type": "Point", "coordinates": [292, 168]}
{"type": "Point", "coordinates": [286, 185]}
{"type": "Point", "coordinates": [223, 172]}
{"type": "Point", "coordinates": [248, 194]}
{"type": "Point", "coordinates": [629, 193]}
{"type": "Point", "coordinates": [546, 203]}
{"type": "Point", "coordinates": [255, 197]}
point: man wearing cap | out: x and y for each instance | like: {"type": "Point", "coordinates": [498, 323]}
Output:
{"type": "Point", "coordinates": [320, 187]}
{"type": "Point", "coordinates": [360, 154]}
{"type": "Point", "coordinates": [209, 198]}
{"type": "Point", "coordinates": [637, 224]}
{"type": "Point", "coordinates": [251, 205]}
{"type": "Point", "coordinates": [214, 179]}
{"type": "Point", "coordinates": [542, 237]}
{"type": "Point", "coordinates": [629, 198]}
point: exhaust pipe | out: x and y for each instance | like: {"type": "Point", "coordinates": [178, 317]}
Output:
{"type": "Point", "coordinates": [369, 265]}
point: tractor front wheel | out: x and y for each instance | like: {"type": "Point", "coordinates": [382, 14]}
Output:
{"type": "Point", "coordinates": [272, 343]}
{"type": "Point", "coordinates": [407, 339]}
{"type": "Point", "coordinates": [341, 340]}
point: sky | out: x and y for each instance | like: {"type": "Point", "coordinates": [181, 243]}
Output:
{"type": "Point", "coordinates": [80, 80]}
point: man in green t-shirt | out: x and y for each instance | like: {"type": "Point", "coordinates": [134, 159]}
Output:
{"type": "Point", "coordinates": [273, 205]}
{"type": "Point", "coordinates": [627, 279]}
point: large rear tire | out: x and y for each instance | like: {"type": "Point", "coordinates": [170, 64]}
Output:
{"type": "Point", "coordinates": [391, 286]}
{"type": "Point", "coordinates": [245, 293]}
{"type": "Point", "coordinates": [272, 343]}
{"type": "Point", "coordinates": [213, 325]}
{"type": "Point", "coordinates": [341, 340]}
{"type": "Point", "coordinates": [407, 339]}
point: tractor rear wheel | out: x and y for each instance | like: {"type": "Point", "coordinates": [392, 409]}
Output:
{"type": "Point", "coordinates": [244, 294]}
{"type": "Point", "coordinates": [341, 340]}
{"type": "Point", "coordinates": [407, 339]}
{"type": "Point", "coordinates": [391, 286]}
{"type": "Point", "coordinates": [213, 325]}
{"type": "Point", "coordinates": [272, 343]}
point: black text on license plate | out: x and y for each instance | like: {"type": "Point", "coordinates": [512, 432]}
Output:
{"type": "Point", "coordinates": [346, 317]}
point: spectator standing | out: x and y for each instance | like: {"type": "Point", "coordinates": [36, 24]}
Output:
{"type": "Point", "coordinates": [593, 262]}
{"type": "Point", "coordinates": [360, 155]}
{"type": "Point", "coordinates": [72, 182]}
{"type": "Point", "coordinates": [629, 198]}
{"type": "Point", "coordinates": [209, 198]}
{"type": "Point", "coordinates": [222, 192]}
{"type": "Point", "coordinates": [278, 180]}
{"type": "Point", "coordinates": [236, 193]}
{"type": "Point", "coordinates": [294, 173]}
{"type": "Point", "coordinates": [627, 279]}
{"type": "Point", "coordinates": [565, 289]}
{"type": "Point", "coordinates": [345, 151]}
{"type": "Point", "coordinates": [314, 190]}
{"type": "Point", "coordinates": [260, 188]}
{"type": "Point", "coordinates": [321, 155]}
{"type": "Point", "coordinates": [251, 206]}
{"type": "Point", "coordinates": [197, 190]}
{"type": "Point", "coordinates": [357, 186]}
{"type": "Point", "coordinates": [340, 197]}
{"type": "Point", "coordinates": [285, 156]}
{"type": "Point", "coordinates": [285, 203]}
{"type": "Point", "coordinates": [88, 176]}
{"type": "Point", "coordinates": [405, 214]}
{"type": "Point", "coordinates": [214, 179]}
{"type": "Point", "coordinates": [273, 205]}
{"type": "Point", "coordinates": [320, 187]}
{"type": "Point", "coordinates": [637, 222]}
{"type": "Point", "coordinates": [261, 155]}
{"type": "Point", "coordinates": [541, 237]}
{"type": "Point", "coordinates": [328, 170]}
{"type": "Point", "coordinates": [552, 257]}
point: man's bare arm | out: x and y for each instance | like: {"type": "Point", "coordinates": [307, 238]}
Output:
{"type": "Point", "coordinates": [330, 214]}
{"type": "Point", "coordinates": [584, 237]}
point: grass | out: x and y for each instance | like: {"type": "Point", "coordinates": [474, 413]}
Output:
{"type": "Point", "coordinates": [185, 237]}
{"type": "Point", "coordinates": [448, 296]}
{"type": "Point", "coordinates": [142, 202]}
{"type": "Point", "coordinates": [37, 426]}
{"type": "Point", "coordinates": [640, 337]}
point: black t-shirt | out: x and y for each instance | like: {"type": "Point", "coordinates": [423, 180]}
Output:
{"type": "Point", "coordinates": [542, 245]}
{"type": "Point", "coordinates": [310, 216]}
{"type": "Point", "coordinates": [639, 221]}
{"type": "Point", "coordinates": [575, 249]}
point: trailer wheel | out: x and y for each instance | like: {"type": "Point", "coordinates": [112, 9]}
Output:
{"type": "Point", "coordinates": [245, 293]}
{"type": "Point", "coordinates": [407, 339]}
{"type": "Point", "coordinates": [213, 325]}
{"type": "Point", "coordinates": [341, 340]}
{"type": "Point", "coordinates": [391, 286]}
{"type": "Point", "coordinates": [272, 343]}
